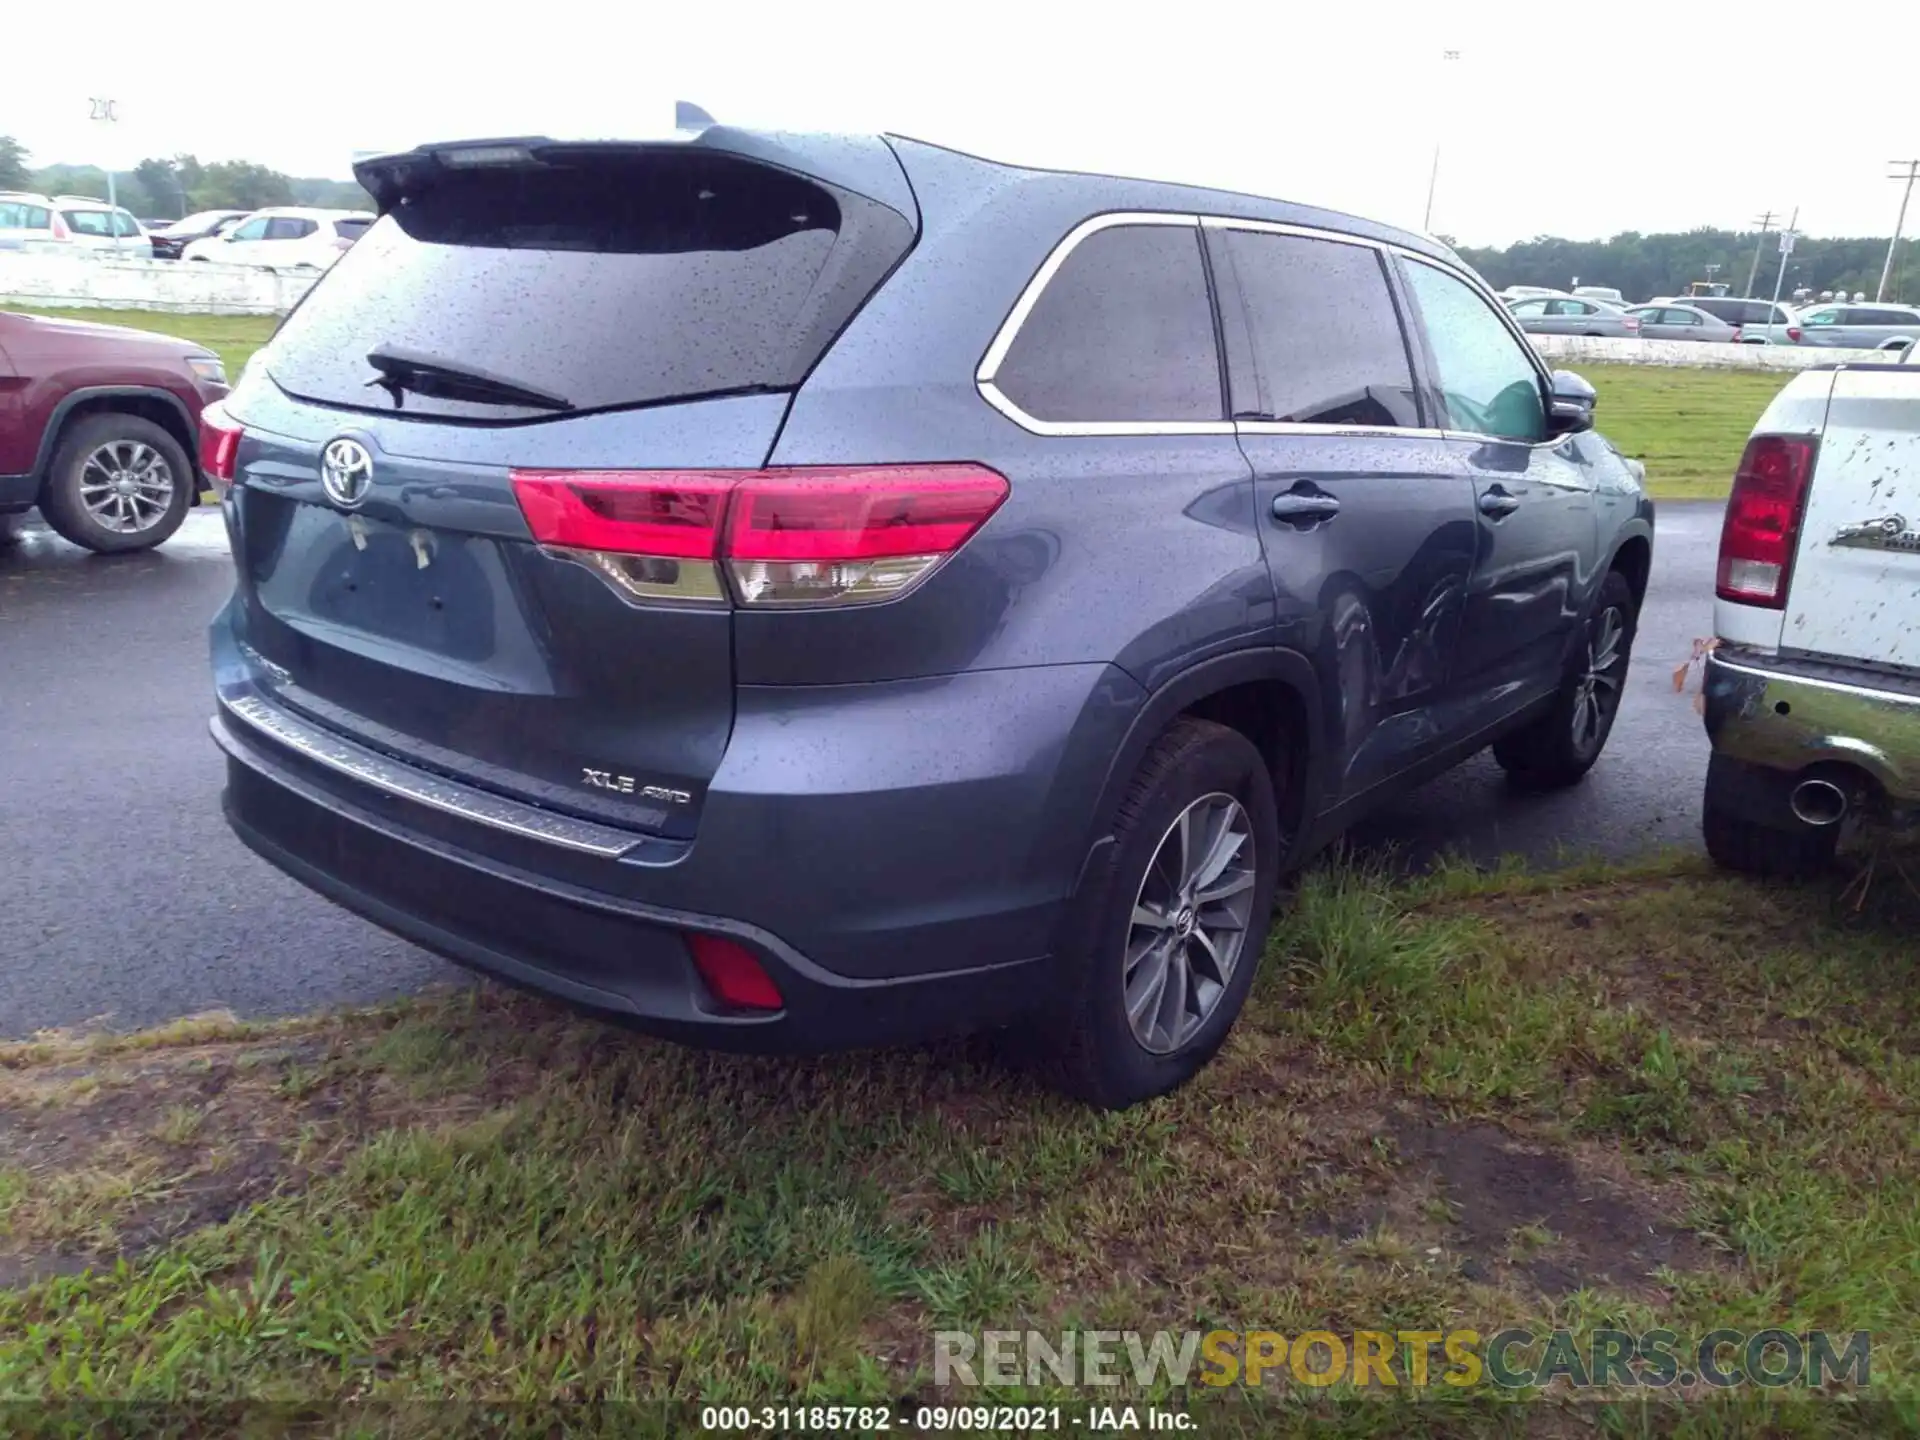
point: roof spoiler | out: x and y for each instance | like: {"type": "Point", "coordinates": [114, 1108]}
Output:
{"type": "Point", "coordinates": [864, 164]}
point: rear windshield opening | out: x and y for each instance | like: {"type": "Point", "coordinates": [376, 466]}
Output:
{"type": "Point", "coordinates": [603, 278]}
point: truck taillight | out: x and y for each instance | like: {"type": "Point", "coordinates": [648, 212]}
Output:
{"type": "Point", "coordinates": [1762, 527]}
{"type": "Point", "coordinates": [802, 535]}
{"type": "Point", "coordinates": [219, 444]}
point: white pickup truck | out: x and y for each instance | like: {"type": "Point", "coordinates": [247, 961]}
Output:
{"type": "Point", "coordinates": [1813, 691]}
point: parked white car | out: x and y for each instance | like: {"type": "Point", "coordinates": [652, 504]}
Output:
{"type": "Point", "coordinates": [284, 238]}
{"type": "Point", "coordinates": [1811, 701]}
{"type": "Point", "coordinates": [69, 222]}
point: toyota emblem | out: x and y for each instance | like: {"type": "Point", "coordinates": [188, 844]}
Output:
{"type": "Point", "coordinates": [346, 472]}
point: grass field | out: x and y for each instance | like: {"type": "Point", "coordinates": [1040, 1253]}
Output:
{"type": "Point", "coordinates": [1646, 1097]}
{"type": "Point", "coordinates": [1687, 425]}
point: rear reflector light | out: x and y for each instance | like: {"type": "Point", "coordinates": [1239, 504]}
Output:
{"type": "Point", "coordinates": [793, 536]}
{"type": "Point", "coordinates": [733, 974]}
{"type": "Point", "coordinates": [1762, 526]}
{"type": "Point", "coordinates": [1793, 333]}
{"type": "Point", "coordinates": [219, 444]}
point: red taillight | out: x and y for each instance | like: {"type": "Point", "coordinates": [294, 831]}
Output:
{"type": "Point", "coordinates": [1632, 324]}
{"type": "Point", "coordinates": [798, 535]}
{"type": "Point", "coordinates": [1793, 333]}
{"type": "Point", "coordinates": [733, 974]}
{"type": "Point", "coordinates": [219, 444]}
{"type": "Point", "coordinates": [1763, 520]}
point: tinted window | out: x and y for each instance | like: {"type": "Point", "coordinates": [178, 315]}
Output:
{"type": "Point", "coordinates": [351, 229]}
{"type": "Point", "coordinates": [289, 227]}
{"type": "Point", "coordinates": [1123, 332]}
{"type": "Point", "coordinates": [88, 222]}
{"type": "Point", "coordinates": [1487, 380]}
{"type": "Point", "coordinates": [1327, 343]}
{"type": "Point", "coordinates": [1879, 317]}
{"type": "Point", "coordinates": [632, 278]}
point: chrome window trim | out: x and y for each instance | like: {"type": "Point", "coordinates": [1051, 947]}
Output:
{"type": "Point", "coordinates": [983, 377]}
{"type": "Point", "coordinates": [408, 783]}
{"type": "Point", "coordinates": [1003, 339]}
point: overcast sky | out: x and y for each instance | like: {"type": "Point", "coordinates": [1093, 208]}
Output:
{"type": "Point", "coordinates": [1557, 118]}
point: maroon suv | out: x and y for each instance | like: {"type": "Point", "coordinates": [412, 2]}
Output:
{"type": "Point", "coordinates": [99, 427]}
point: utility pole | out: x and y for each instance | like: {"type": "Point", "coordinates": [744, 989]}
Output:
{"type": "Point", "coordinates": [1433, 176]}
{"type": "Point", "coordinates": [1765, 222]}
{"type": "Point", "coordinates": [1787, 237]}
{"type": "Point", "coordinates": [1913, 168]}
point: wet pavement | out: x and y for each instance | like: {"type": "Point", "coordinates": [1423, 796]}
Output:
{"type": "Point", "coordinates": [124, 900]}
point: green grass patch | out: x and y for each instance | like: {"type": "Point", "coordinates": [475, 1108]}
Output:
{"type": "Point", "coordinates": [1688, 424]}
{"type": "Point", "coordinates": [1639, 1097]}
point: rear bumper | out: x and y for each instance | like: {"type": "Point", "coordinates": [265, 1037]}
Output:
{"type": "Point", "coordinates": [1781, 716]}
{"type": "Point", "coordinates": [604, 952]}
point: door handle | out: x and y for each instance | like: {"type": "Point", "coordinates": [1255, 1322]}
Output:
{"type": "Point", "coordinates": [1497, 503]}
{"type": "Point", "coordinates": [1304, 507]}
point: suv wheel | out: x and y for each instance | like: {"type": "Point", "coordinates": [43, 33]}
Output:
{"type": "Point", "coordinates": [1558, 749]}
{"type": "Point", "coordinates": [1179, 920]}
{"type": "Point", "coordinates": [118, 483]}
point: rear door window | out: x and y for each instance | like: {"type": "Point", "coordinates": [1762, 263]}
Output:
{"type": "Point", "coordinates": [1328, 347]}
{"type": "Point", "coordinates": [1123, 332]}
{"type": "Point", "coordinates": [289, 227]}
{"type": "Point", "coordinates": [88, 222]}
{"type": "Point", "coordinates": [1487, 382]}
{"type": "Point", "coordinates": [351, 229]}
{"type": "Point", "coordinates": [254, 229]}
{"type": "Point", "coordinates": [632, 276]}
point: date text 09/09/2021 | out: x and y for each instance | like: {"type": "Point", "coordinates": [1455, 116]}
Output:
{"type": "Point", "coordinates": [939, 1419]}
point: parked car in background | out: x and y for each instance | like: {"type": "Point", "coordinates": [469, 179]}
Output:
{"type": "Point", "coordinates": [69, 222]}
{"type": "Point", "coordinates": [1682, 322]}
{"type": "Point", "coordinates": [1523, 292]}
{"type": "Point", "coordinates": [1812, 703]}
{"type": "Point", "coordinates": [1860, 327]}
{"type": "Point", "coordinates": [944, 644]}
{"type": "Point", "coordinates": [1570, 315]}
{"type": "Point", "coordinates": [1760, 322]}
{"type": "Point", "coordinates": [99, 427]}
{"type": "Point", "coordinates": [176, 235]}
{"type": "Point", "coordinates": [1605, 294]}
{"type": "Point", "coordinates": [284, 238]}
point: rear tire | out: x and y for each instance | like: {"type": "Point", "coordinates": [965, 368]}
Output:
{"type": "Point", "coordinates": [1558, 749]}
{"type": "Point", "coordinates": [1185, 902]}
{"type": "Point", "coordinates": [118, 483]}
{"type": "Point", "coordinates": [1741, 845]}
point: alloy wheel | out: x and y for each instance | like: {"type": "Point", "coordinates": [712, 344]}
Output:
{"type": "Point", "coordinates": [1190, 923]}
{"type": "Point", "coordinates": [1598, 695]}
{"type": "Point", "coordinates": [127, 486]}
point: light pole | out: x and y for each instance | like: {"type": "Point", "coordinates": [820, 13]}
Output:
{"type": "Point", "coordinates": [108, 111]}
{"type": "Point", "coordinates": [1913, 168]}
{"type": "Point", "coordinates": [1433, 175]}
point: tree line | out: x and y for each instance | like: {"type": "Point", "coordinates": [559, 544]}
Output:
{"type": "Point", "coordinates": [1642, 266]}
{"type": "Point", "coordinates": [168, 188]}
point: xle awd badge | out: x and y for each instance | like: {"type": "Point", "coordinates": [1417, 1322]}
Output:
{"type": "Point", "coordinates": [627, 785]}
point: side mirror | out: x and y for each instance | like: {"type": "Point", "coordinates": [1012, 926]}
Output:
{"type": "Point", "coordinates": [1570, 402]}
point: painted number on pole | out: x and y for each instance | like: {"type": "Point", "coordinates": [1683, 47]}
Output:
{"type": "Point", "coordinates": [104, 109]}
{"type": "Point", "coordinates": [1787, 238]}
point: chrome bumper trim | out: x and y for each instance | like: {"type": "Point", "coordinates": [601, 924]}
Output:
{"type": "Point", "coordinates": [1787, 714]}
{"type": "Point", "coordinates": [407, 783]}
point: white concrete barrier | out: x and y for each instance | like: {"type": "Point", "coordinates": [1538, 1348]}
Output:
{"type": "Point", "coordinates": [181, 287]}
{"type": "Point", "coordinates": [1601, 350]}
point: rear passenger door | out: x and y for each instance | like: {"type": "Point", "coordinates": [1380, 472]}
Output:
{"type": "Point", "coordinates": [1537, 553]}
{"type": "Point", "coordinates": [1365, 515]}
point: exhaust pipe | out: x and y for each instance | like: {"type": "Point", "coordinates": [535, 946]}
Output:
{"type": "Point", "coordinates": [1818, 802]}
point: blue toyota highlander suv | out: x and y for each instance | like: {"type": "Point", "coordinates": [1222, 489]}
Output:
{"type": "Point", "coordinates": [799, 591]}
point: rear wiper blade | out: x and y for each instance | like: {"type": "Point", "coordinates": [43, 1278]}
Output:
{"type": "Point", "coordinates": [403, 371]}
